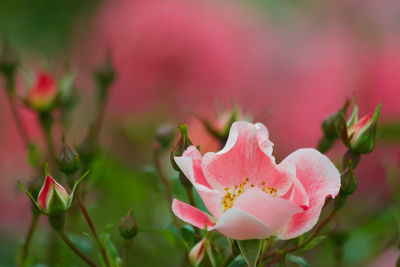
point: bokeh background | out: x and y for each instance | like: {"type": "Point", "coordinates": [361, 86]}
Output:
{"type": "Point", "coordinates": [287, 63]}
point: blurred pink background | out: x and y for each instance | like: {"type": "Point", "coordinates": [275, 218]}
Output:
{"type": "Point", "coordinates": [176, 57]}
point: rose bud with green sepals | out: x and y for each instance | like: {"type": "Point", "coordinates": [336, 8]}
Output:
{"type": "Point", "coordinates": [68, 160]}
{"type": "Point", "coordinates": [43, 94]}
{"type": "Point", "coordinates": [361, 133]}
{"type": "Point", "coordinates": [127, 227]}
{"type": "Point", "coordinates": [196, 254]}
{"type": "Point", "coordinates": [332, 126]}
{"type": "Point", "coordinates": [104, 77]}
{"type": "Point", "coordinates": [53, 199]}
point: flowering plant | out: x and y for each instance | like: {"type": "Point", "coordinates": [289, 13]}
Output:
{"type": "Point", "coordinates": [239, 206]}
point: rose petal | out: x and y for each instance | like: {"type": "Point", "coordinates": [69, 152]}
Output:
{"type": "Point", "coordinates": [320, 179]}
{"type": "Point", "coordinates": [273, 211]}
{"type": "Point", "coordinates": [237, 224]}
{"type": "Point", "coordinates": [190, 165]}
{"type": "Point", "coordinates": [192, 215]}
{"type": "Point", "coordinates": [246, 155]}
{"type": "Point", "coordinates": [211, 198]}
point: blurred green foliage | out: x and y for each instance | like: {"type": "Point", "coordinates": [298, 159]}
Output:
{"type": "Point", "coordinates": [45, 25]}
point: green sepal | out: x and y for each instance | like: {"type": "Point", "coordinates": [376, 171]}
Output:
{"type": "Point", "coordinates": [28, 194]}
{"type": "Point", "coordinates": [210, 254]}
{"type": "Point", "coordinates": [71, 195]}
{"type": "Point", "coordinates": [354, 114]}
{"type": "Point", "coordinates": [57, 204]}
{"type": "Point", "coordinates": [250, 250]}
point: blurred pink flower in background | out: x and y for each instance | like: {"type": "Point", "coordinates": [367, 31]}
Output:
{"type": "Point", "coordinates": [181, 56]}
{"type": "Point", "coordinates": [178, 53]}
{"type": "Point", "coordinates": [177, 56]}
{"type": "Point", "coordinates": [387, 258]}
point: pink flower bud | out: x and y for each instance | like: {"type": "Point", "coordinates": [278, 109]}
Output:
{"type": "Point", "coordinates": [361, 133]}
{"type": "Point", "coordinates": [52, 198]}
{"type": "Point", "coordinates": [43, 93]}
{"type": "Point", "coordinates": [196, 255]}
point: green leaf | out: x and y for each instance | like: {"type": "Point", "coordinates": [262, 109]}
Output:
{"type": "Point", "coordinates": [314, 242]}
{"type": "Point", "coordinates": [188, 236]}
{"type": "Point", "coordinates": [250, 250]}
{"type": "Point", "coordinates": [239, 261]}
{"type": "Point", "coordinates": [111, 250]}
{"type": "Point", "coordinates": [71, 196]}
{"type": "Point", "coordinates": [297, 259]}
{"type": "Point", "coordinates": [168, 235]}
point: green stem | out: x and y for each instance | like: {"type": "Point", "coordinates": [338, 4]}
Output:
{"type": "Point", "coordinates": [46, 123]}
{"type": "Point", "coordinates": [75, 249]}
{"type": "Point", "coordinates": [163, 178]}
{"type": "Point", "coordinates": [127, 246]}
{"type": "Point", "coordinates": [17, 119]}
{"type": "Point", "coordinates": [89, 221]}
{"type": "Point", "coordinates": [28, 239]}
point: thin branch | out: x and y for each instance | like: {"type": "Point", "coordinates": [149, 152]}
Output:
{"type": "Point", "coordinates": [74, 248]}
{"type": "Point", "coordinates": [92, 228]}
{"type": "Point", "coordinates": [28, 238]}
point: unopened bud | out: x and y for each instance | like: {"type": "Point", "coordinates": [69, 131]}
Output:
{"type": "Point", "coordinates": [196, 254]}
{"type": "Point", "coordinates": [349, 181]}
{"type": "Point", "coordinates": [183, 143]}
{"type": "Point", "coordinates": [104, 77]}
{"type": "Point", "coordinates": [52, 199]}
{"type": "Point", "coordinates": [333, 125]}
{"type": "Point", "coordinates": [127, 226]}
{"type": "Point", "coordinates": [68, 160]}
{"type": "Point", "coordinates": [42, 95]}
{"type": "Point", "coordinates": [361, 133]}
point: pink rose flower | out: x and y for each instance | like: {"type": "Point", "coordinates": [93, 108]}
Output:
{"type": "Point", "coordinates": [43, 93]}
{"type": "Point", "coordinates": [248, 194]}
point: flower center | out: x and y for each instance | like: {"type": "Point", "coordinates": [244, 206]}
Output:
{"type": "Point", "coordinates": [234, 192]}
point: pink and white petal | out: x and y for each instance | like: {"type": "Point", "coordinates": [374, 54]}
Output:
{"type": "Point", "coordinates": [296, 192]}
{"type": "Point", "coordinates": [192, 215]}
{"type": "Point", "coordinates": [263, 139]}
{"type": "Point", "coordinates": [241, 158]}
{"type": "Point", "coordinates": [240, 225]}
{"type": "Point", "coordinates": [320, 179]}
{"type": "Point", "coordinates": [273, 211]}
{"type": "Point", "coordinates": [190, 164]}
{"type": "Point", "coordinates": [211, 198]}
